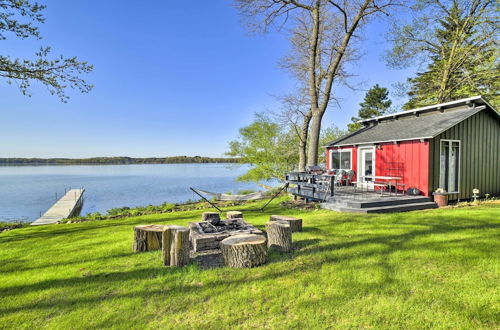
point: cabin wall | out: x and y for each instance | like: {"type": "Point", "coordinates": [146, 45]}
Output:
{"type": "Point", "coordinates": [479, 159]}
{"type": "Point", "coordinates": [407, 159]}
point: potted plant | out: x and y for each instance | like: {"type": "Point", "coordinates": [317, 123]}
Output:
{"type": "Point", "coordinates": [441, 197]}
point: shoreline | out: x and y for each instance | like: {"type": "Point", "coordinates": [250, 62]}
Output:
{"type": "Point", "coordinates": [119, 160]}
{"type": "Point", "coordinates": [109, 164]}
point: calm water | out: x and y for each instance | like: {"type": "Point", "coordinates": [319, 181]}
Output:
{"type": "Point", "coordinates": [25, 191]}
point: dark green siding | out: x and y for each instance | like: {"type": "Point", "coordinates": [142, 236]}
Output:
{"type": "Point", "coordinates": [479, 138]}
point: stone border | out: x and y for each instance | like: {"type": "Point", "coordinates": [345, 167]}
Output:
{"type": "Point", "coordinates": [201, 241]}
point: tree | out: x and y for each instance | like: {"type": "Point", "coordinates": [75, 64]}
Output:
{"type": "Point", "coordinates": [19, 18]}
{"type": "Point", "coordinates": [328, 135]}
{"type": "Point", "coordinates": [268, 146]}
{"type": "Point", "coordinates": [296, 114]}
{"type": "Point", "coordinates": [323, 38]}
{"type": "Point", "coordinates": [457, 44]}
{"type": "Point", "coordinates": [376, 103]}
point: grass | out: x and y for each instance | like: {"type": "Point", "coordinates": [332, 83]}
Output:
{"type": "Point", "coordinates": [437, 268]}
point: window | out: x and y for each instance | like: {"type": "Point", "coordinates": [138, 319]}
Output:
{"type": "Point", "coordinates": [449, 165]}
{"type": "Point", "coordinates": [341, 159]}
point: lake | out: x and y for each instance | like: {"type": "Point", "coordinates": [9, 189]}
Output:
{"type": "Point", "coordinates": [25, 191]}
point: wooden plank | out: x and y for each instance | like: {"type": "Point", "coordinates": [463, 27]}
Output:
{"type": "Point", "coordinates": [308, 185]}
{"type": "Point", "coordinates": [64, 208]}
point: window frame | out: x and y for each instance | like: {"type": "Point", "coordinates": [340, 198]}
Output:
{"type": "Point", "coordinates": [450, 144]}
{"type": "Point", "coordinates": [340, 151]}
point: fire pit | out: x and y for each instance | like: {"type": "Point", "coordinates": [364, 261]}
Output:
{"type": "Point", "coordinates": [206, 235]}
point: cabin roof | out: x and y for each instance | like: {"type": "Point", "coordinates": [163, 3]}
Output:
{"type": "Point", "coordinates": [421, 123]}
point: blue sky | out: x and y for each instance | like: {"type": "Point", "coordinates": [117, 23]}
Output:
{"type": "Point", "coordinates": [171, 78]}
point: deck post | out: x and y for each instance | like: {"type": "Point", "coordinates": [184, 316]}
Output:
{"type": "Point", "coordinates": [332, 185]}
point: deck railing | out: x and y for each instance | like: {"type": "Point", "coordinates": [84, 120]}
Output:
{"type": "Point", "coordinates": [316, 187]}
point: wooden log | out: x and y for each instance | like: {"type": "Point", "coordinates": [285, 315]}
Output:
{"type": "Point", "coordinates": [244, 250]}
{"type": "Point", "coordinates": [147, 237]}
{"type": "Point", "coordinates": [175, 242]}
{"type": "Point", "coordinates": [295, 223]}
{"type": "Point", "coordinates": [279, 235]}
{"type": "Point", "coordinates": [234, 215]}
{"type": "Point", "coordinates": [212, 217]}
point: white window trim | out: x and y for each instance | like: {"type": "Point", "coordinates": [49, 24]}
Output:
{"type": "Point", "coordinates": [449, 155]}
{"type": "Point", "coordinates": [340, 150]}
{"type": "Point", "coordinates": [374, 160]}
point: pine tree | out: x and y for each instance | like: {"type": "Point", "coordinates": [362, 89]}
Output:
{"type": "Point", "coordinates": [376, 103]}
{"type": "Point", "coordinates": [457, 45]}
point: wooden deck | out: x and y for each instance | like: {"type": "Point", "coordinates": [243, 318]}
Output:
{"type": "Point", "coordinates": [67, 206]}
{"type": "Point", "coordinates": [321, 188]}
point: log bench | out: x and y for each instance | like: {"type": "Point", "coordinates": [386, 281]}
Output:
{"type": "Point", "coordinates": [244, 250]}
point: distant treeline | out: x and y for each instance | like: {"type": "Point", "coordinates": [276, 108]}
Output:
{"type": "Point", "coordinates": [115, 160]}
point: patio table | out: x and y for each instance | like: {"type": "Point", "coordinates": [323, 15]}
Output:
{"type": "Point", "coordinates": [389, 179]}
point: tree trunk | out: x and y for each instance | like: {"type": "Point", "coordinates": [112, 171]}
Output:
{"type": "Point", "coordinates": [279, 235]}
{"type": "Point", "coordinates": [295, 223]}
{"type": "Point", "coordinates": [244, 250]}
{"type": "Point", "coordinates": [312, 154]}
{"type": "Point", "coordinates": [319, 108]}
{"type": "Point", "coordinates": [304, 133]}
{"type": "Point", "coordinates": [313, 86]}
{"type": "Point", "coordinates": [147, 237]}
{"type": "Point", "coordinates": [175, 241]}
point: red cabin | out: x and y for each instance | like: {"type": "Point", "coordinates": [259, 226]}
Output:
{"type": "Point", "coordinates": [454, 146]}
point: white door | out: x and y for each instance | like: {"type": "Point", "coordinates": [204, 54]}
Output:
{"type": "Point", "coordinates": [366, 166]}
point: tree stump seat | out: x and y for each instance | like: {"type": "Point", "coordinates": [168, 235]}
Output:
{"type": "Point", "coordinates": [295, 223]}
{"type": "Point", "coordinates": [175, 246]}
{"type": "Point", "coordinates": [212, 217]}
{"type": "Point", "coordinates": [234, 215]}
{"type": "Point", "coordinates": [279, 235]}
{"type": "Point", "coordinates": [147, 237]}
{"type": "Point", "coordinates": [244, 250]}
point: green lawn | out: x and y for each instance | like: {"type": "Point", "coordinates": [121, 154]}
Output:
{"type": "Point", "coordinates": [424, 269]}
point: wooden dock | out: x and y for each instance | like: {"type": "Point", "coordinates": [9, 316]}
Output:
{"type": "Point", "coordinates": [67, 206]}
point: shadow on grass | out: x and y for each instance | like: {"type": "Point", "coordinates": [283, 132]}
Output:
{"type": "Point", "coordinates": [302, 248]}
{"type": "Point", "coordinates": [313, 252]}
{"type": "Point", "coordinates": [52, 231]}
{"type": "Point", "coordinates": [397, 241]}
{"type": "Point", "coordinates": [15, 266]}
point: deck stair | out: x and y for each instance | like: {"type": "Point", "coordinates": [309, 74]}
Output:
{"type": "Point", "coordinates": [378, 204]}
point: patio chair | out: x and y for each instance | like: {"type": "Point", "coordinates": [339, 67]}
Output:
{"type": "Point", "coordinates": [349, 179]}
{"type": "Point", "coordinates": [350, 175]}
{"type": "Point", "coordinates": [339, 176]}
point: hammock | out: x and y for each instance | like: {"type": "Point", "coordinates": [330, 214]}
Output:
{"type": "Point", "coordinates": [227, 197]}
